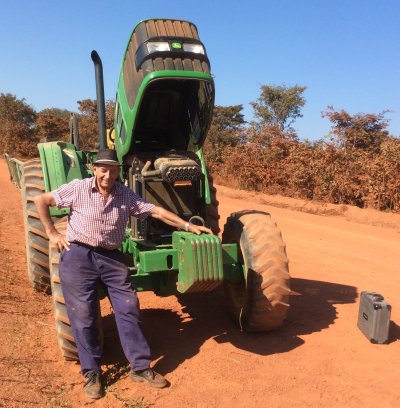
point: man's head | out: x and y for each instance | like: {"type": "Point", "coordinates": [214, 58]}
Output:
{"type": "Point", "coordinates": [106, 169]}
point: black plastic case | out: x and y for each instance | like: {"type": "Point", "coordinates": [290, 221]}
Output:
{"type": "Point", "coordinates": [374, 317]}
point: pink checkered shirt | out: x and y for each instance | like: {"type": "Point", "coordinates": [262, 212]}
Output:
{"type": "Point", "coordinates": [95, 220]}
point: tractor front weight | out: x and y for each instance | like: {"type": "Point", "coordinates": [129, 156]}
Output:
{"type": "Point", "coordinates": [193, 263]}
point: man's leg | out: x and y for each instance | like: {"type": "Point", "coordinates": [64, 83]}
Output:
{"type": "Point", "coordinates": [125, 303]}
{"type": "Point", "coordinates": [79, 275]}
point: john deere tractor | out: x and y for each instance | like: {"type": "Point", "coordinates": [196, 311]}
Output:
{"type": "Point", "coordinates": [164, 106]}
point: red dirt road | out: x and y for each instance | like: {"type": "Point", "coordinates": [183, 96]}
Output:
{"type": "Point", "coordinates": [318, 359]}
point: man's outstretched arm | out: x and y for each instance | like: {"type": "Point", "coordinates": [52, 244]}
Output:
{"type": "Point", "coordinates": [172, 219]}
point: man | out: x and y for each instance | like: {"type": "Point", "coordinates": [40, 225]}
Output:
{"type": "Point", "coordinates": [99, 210]}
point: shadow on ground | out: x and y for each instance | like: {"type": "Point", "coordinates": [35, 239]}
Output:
{"type": "Point", "coordinates": [394, 332]}
{"type": "Point", "coordinates": [174, 339]}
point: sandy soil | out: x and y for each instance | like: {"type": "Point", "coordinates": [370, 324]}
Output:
{"type": "Point", "coordinates": [318, 359]}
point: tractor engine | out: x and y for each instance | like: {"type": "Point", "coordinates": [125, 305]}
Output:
{"type": "Point", "coordinates": [169, 179]}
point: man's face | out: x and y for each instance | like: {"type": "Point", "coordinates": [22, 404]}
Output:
{"type": "Point", "coordinates": [106, 176]}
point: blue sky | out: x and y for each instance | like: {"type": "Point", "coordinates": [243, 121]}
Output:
{"type": "Point", "coordinates": [345, 52]}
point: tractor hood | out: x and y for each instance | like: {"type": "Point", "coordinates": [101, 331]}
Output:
{"type": "Point", "coordinates": [165, 95]}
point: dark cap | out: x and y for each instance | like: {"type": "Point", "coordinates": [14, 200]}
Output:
{"type": "Point", "coordinates": [107, 157]}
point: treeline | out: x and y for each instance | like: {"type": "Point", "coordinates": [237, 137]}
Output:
{"type": "Point", "coordinates": [22, 128]}
{"type": "Point", "coordinates": [358, 163]}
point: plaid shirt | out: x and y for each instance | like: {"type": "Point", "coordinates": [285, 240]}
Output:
{"type": "Point", "coordinates": [95, 220]}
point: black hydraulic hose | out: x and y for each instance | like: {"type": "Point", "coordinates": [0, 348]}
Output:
{"type": "Point", "coordinates": [101, 106]}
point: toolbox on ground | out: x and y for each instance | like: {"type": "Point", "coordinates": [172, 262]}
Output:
{"type": "Point", "coordinates": [374, 317]}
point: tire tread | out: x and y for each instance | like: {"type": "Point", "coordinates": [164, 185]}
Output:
{"type": "Point", "coordinates": [265, 298]}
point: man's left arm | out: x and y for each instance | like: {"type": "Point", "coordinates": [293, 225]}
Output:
{"type": "Point", "coordinates": [172, 219]}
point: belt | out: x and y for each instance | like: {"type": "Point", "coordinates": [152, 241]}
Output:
{"type": "Point", "coordinates": [93, 248]}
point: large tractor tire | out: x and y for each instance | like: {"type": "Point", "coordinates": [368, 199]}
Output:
{"type": "Point", "coordinates": [36, 240]}
{"type": "Point", "coordinates": [65, 336]}
{"type": "Point", "coordinates": [261, 300]}
{"type": "Point", "coordinates": [212, 209]}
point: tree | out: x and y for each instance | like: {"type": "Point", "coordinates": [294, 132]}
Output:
{"type": "Point", "coordinates": [88, 121]}
{"type": "Point", "coordinates": [17, 126]}
{"type": "Point", "coordinates": [226, 125]}
{"type": "Point", "coordinates": [268, 135]}
{"type": "Point", "coordinates": [279, 105]}
{"type": "Point", "coordinates": [225, 130]}
{"type": "Point", "coordinates": [53, 124]}
{"type": "Point", "coordinates": [364, 131]}
{"type": "Point", "coordinates": [228, 118]}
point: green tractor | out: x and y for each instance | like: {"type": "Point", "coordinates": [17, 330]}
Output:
{"type": "Point", "coordinates": [164, 106]}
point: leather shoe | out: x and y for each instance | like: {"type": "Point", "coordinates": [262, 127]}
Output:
{"type": "Point", "coordinates": [93, 386]}
{"type": "Point", "coordinates": [148, 375]}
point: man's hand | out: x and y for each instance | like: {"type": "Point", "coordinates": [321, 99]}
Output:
{"type": "Point", "coordinates": [43, 202]}
{"type": "Point", "coordinates": [58, 240]}
{"type": "Point", "coordinates": [198, 229]}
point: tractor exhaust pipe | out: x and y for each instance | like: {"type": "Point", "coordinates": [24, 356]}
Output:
{"type": "Point", "coordinates": [101, 106]}
{"type": "Point", "coordinates": [74, 130]}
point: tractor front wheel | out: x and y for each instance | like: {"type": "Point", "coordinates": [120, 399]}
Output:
{"type": "Point", "coordinates": [261, 300]}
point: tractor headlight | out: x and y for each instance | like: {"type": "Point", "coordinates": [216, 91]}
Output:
{"type": "Point", "coordinates": [158, 46]}
{"type": "Point", "coordinates": [195, 48]}
{"type": "Point", "coordinates": [169, 47]}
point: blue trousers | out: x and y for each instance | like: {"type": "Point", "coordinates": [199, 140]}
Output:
{"type": "Point", "coordinates": [80, 271]}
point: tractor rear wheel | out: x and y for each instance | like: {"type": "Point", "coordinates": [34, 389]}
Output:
{"type": "Point", "coordinates": [36, 240]}
{"type": "Point", "coordinates": [212, 209]}
{"type": "Point", "coordinates": [65, 336]}
{"type": "Point", "coordinates": [261, 300]}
